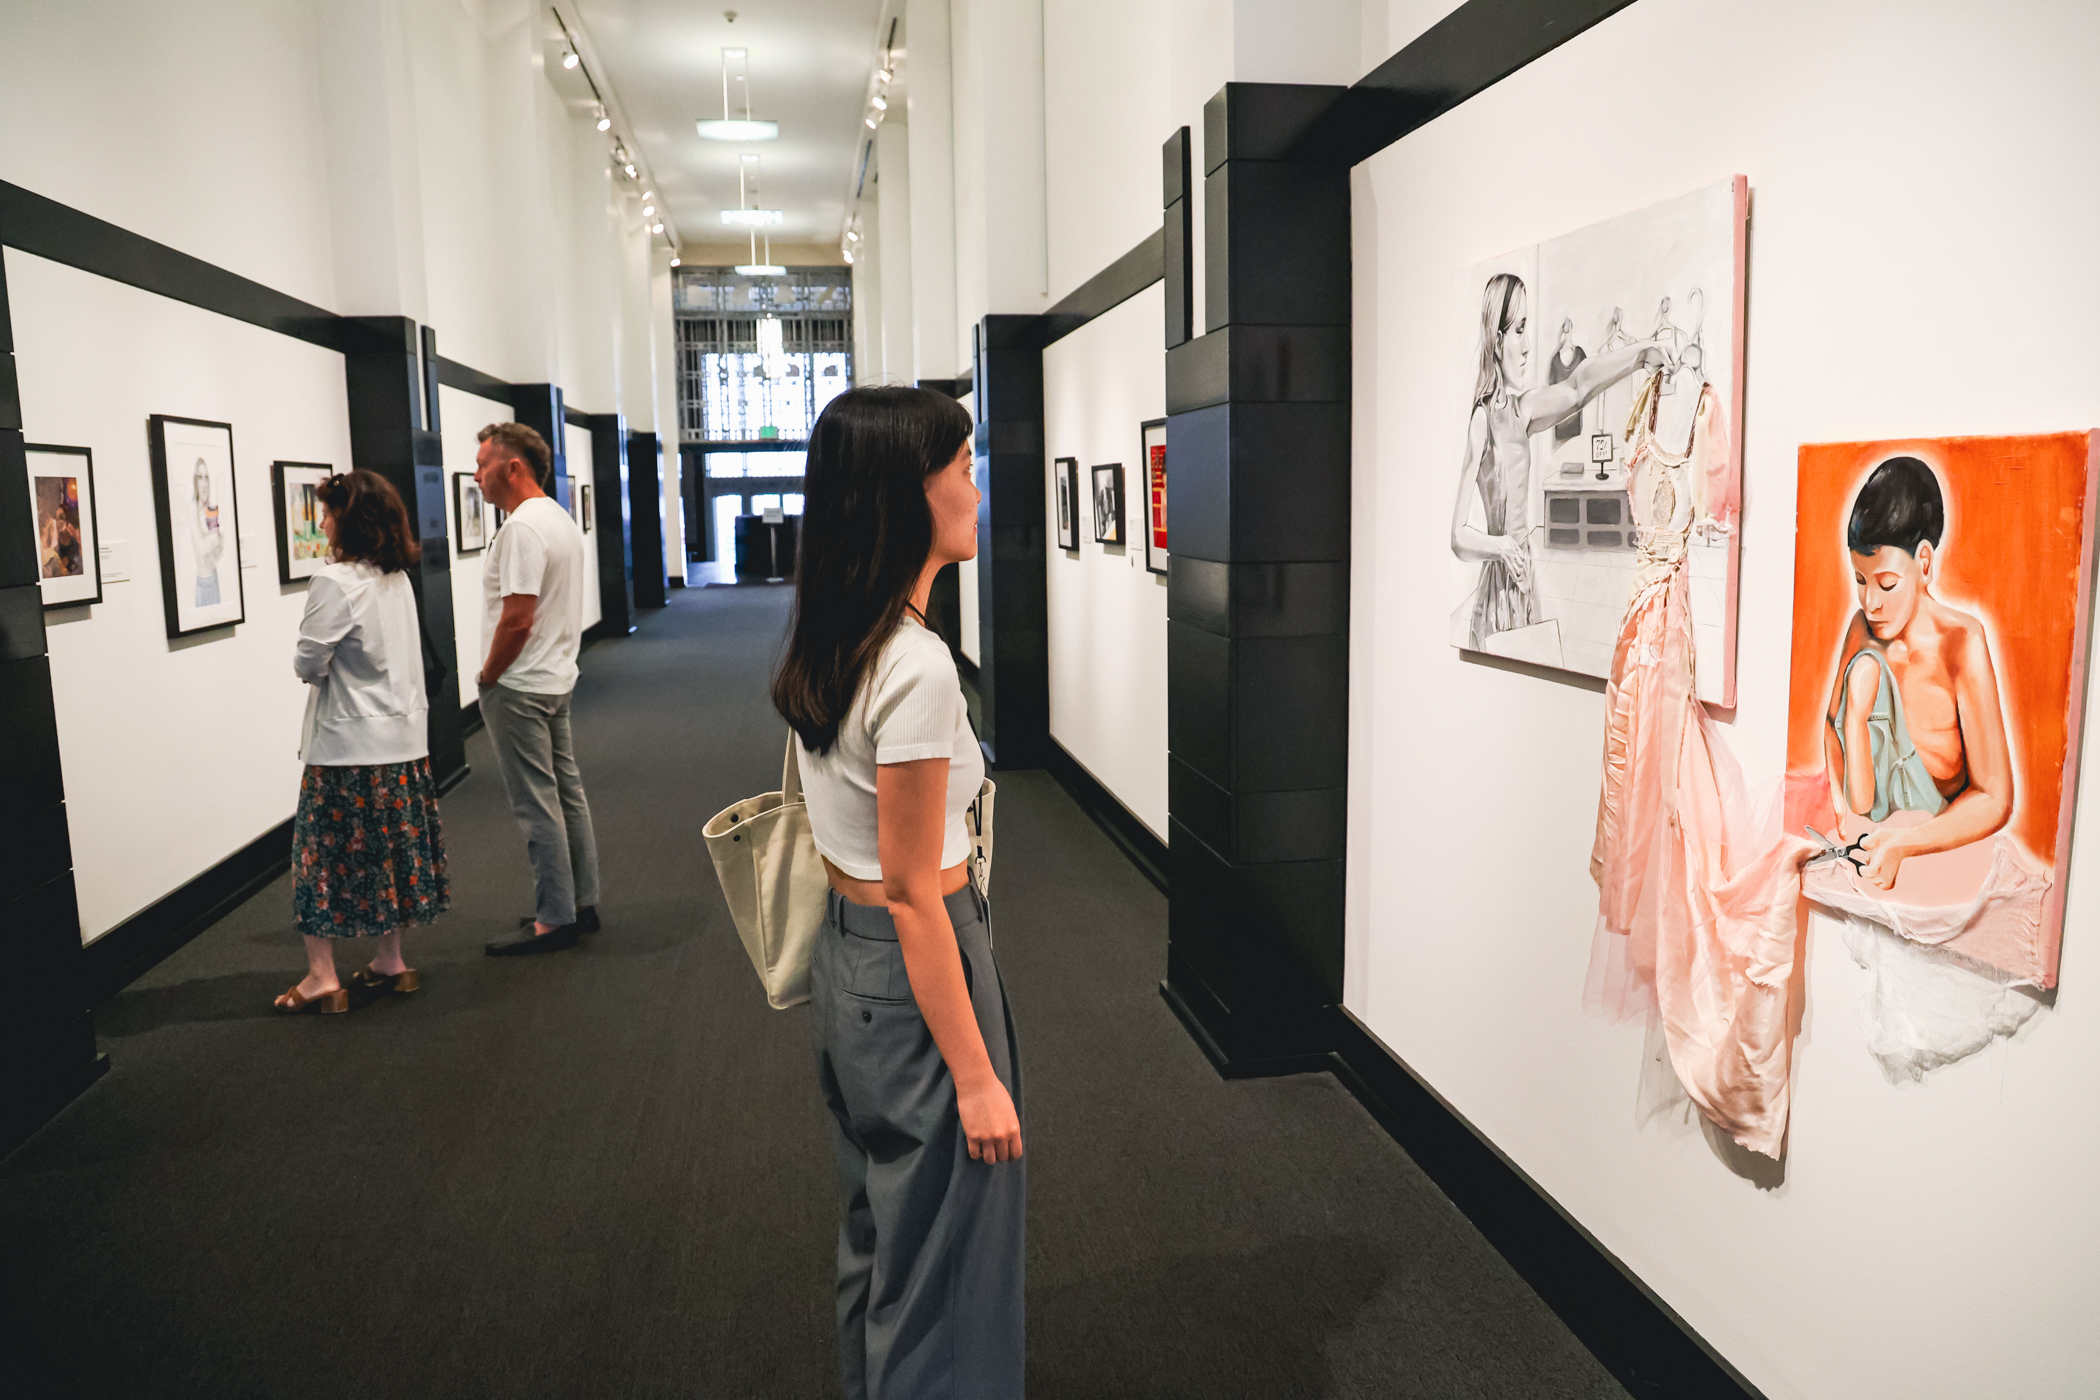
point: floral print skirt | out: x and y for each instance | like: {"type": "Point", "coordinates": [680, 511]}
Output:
{"type": "Point", "coordinates": [368, 856]}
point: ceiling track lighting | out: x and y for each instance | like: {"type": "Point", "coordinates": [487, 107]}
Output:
{"type": "Point", "coordinates": [605, 123]}
{"type": "Point", "coordinates": [656, 228]}
{"type": "Point", "coordinates": [729, 128]}
{"type": "Point", "coordinates": [881, 105]}
{"type": "Point", "coordinates": [648, 211]}
{"type": "Point", "coordinates": [871, 123]}
{"type": "Point", "coordinates": [569, 59]}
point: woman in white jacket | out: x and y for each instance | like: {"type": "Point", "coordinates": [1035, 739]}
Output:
{"type": "Point", "coordinates": [368, 857]}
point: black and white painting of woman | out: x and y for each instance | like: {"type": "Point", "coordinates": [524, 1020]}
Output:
{"type": "Point", "coordinates": [1490, 521]}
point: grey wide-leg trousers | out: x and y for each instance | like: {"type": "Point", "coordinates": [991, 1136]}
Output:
{"type": "Point", "coordinates": [930, 1242]}
{"type": "Point", "coordinates": [536, 753]}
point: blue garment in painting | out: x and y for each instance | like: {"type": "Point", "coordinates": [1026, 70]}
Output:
{"type": "Point", "coordinates": [1901, 783]}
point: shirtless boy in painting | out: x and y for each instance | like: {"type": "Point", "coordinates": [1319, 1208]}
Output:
{"type": "Point", "coordinates": [1914, 722]}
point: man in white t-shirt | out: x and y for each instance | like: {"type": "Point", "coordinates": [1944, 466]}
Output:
{"type": "Point", "coordinates": [532, 581]}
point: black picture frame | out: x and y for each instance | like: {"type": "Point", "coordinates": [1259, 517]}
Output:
{"type": "Point", "coordinates": [1108, 504]}
{"type": "Point", "coordinates": [157, 426]}
{"type": "Point", "coordinates": [290, 570]}
{"type": "Point", "coordinates": [481, 510]}
{"type": "Point", "coordinates": [586, 507]}
{"type": "Point", "coordinates": [90, 542]}
{"type": "Point", "coordinates": [1065, 485]}
{"type": "Point", "coordinates": [1152, 476]}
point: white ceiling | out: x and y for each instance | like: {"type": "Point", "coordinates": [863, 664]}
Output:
{"type": "Point", "coordinates": [810, 66]}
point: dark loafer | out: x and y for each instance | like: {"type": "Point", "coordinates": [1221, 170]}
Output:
{"type": "Point", "coordinates": [525, 940]}
{"type": "Point", "coordinates": [586, 919]}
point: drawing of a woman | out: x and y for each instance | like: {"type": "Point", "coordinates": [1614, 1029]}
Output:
{"type": "Point", "coordinates": [207, 542]}
{"type": "Point", "coordinates": [1490, 522]}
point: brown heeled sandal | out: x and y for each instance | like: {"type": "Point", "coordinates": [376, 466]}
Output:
{"type": "Point", "coordinates": [402, 982]}
{"type": "Point", "coordinates": [326, 1004]}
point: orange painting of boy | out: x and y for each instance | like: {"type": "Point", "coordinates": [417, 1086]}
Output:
{"type": "Point", "coordinates": [1940, 596]}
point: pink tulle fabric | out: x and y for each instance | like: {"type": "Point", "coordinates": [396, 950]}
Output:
{"type": "Point", "coordinates": [1707, 898]}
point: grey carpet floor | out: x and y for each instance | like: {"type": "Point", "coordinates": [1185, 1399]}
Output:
{"type": "Point", "coordinates": [605, 1172]}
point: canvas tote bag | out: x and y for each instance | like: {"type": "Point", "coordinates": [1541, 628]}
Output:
{"type": "Point", "coordinates": [774, 879]}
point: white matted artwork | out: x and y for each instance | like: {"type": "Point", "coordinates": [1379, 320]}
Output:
{"type": "Point", "coordinates": [62, 508]}
{"type": "Point", "coordinates": [471, 513]}
{"type": "Point", "coordinates": [1562, 339]}
{"type": "Point", "coordinates": [200, 525]}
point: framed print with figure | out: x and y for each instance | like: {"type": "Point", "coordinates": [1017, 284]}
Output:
{"type": "Point", "coordinates": [295, 490]}
{"type": "Point", "coordinates": [1066, 473]}
{"type": "Point", "coordinates": [62, 508]}
{"type": "Point", "coordinates": [198, 515]}
{"type": "Point", "coordinates": [1154, 442]}
{"type": "Point", "coordinates": [1108, 504]}
{"type": "Point", "coordinates": [586, 507]}
{"type": "Point", "coordinates": [470, 513]}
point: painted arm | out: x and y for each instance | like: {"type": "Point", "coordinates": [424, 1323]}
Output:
{"type": "Point", "coordinates": [911, 804]}
{"type": "Point", "coordinates": [1550, 403]}
{"type": "Point", "coordinates": [512, 629]}
{"type": "Point", "coordinates": [1985, 805]}
{"type": "Point", "coordinates": [1862, 686]}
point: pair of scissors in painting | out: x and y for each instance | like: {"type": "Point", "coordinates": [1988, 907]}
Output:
{"type": "Point", "coordinates": [1833, 851]}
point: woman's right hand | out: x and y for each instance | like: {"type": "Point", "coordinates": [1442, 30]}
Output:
{"type": "Point", "coordinates": [1516, 557]}
{"type": "Point", "coordinates": [989, 1121]}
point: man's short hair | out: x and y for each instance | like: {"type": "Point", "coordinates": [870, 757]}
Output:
{"type": "Point", "coordinates": [1899, 505]}
{"type": "Point", "coordinates": [526, 445]}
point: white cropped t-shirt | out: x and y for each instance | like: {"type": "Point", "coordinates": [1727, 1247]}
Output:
{"type": "Point", "coordinates": [909, 707]}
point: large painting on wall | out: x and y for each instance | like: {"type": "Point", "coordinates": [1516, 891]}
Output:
{"type": "Point", "coordinates": [302, 545]}
{"type": "Point", "coordinates": [198, 515]}
{"type": "Point", "coordinates": [1561, 497]}
{"type": "Point", "coordinates": [1154, 442]}
{"type": "Point", "coordinates": [62, 509]}
{"type": "Point", "coordinates": [1941, 594]}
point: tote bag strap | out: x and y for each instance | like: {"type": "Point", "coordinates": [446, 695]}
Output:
{"type": "Point", "coordinates": [791, 772]}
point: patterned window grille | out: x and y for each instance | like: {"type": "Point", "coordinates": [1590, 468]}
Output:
{"type": "Point", "coordinates": [723, 395]}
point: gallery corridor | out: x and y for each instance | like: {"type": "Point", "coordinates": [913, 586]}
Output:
{"type": "Point", "coordinates": [606, 1172]}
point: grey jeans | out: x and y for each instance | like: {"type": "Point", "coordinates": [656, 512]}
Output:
{"type": "Point", "coordinates": [931, 1243]}
{"type": "Point", "coordinates": [536, 754]}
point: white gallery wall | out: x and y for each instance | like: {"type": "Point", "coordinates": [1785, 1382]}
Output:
{"type": "Point", "coordinates": [372, 157]}
{"type": "Point", "coordinates": [461, 416]}
{"type": "Point", "coordinates": [1107, 612]}
{"type": "Point", "coordinates": [577, 445]}
{"type": "Point", "coordinates": [1919, 265]}
{"type": "Point", "coordinates": [176, 753]}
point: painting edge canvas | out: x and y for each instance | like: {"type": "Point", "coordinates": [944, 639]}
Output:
{"type": "Point", "coordinates": [2054, 907]}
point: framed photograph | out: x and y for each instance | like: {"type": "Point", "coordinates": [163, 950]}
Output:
{"type": "Point", "coordinates": [470, 514]}
{"type": "Point", "coordinates": [199, 520]}
{"type": "Point", "coordinates": [586, 507]}
{"type": "Point", "coordinates": [62, 507]}
{"type": "Point", "coordinates": [1153, 437]}
{"type": "Point", "coordinates": [1066, 472]}
{"type": "Point", "coordinates": [1108, 504]}
{"type": "Point", "coordinates": [302, 547]}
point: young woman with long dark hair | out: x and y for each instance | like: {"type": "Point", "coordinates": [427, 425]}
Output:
{"type": "Point", "coordinates": [368, 858]}
{"type": "Point", "coordinates": [915, 1048]}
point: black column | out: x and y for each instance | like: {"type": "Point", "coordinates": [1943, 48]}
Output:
{"type": "Point", "coordinates": [539, 407]}
{"type": "Point", "coordinates": [389, 435]}
{"type": "Point", "coordinates": [47, 1038]}
{"type": "Point", "coordinates": [1258, 600]}
{"type": "Point", "coordinates": [609, 486]}
{"type": "Point", "coordinates": [645, 519]}
{"type": "Point", "coordinates": [1013, 634]}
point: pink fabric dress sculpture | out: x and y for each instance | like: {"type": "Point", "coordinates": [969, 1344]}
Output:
{"type": "Point", "coordinates": [1708, 904]}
